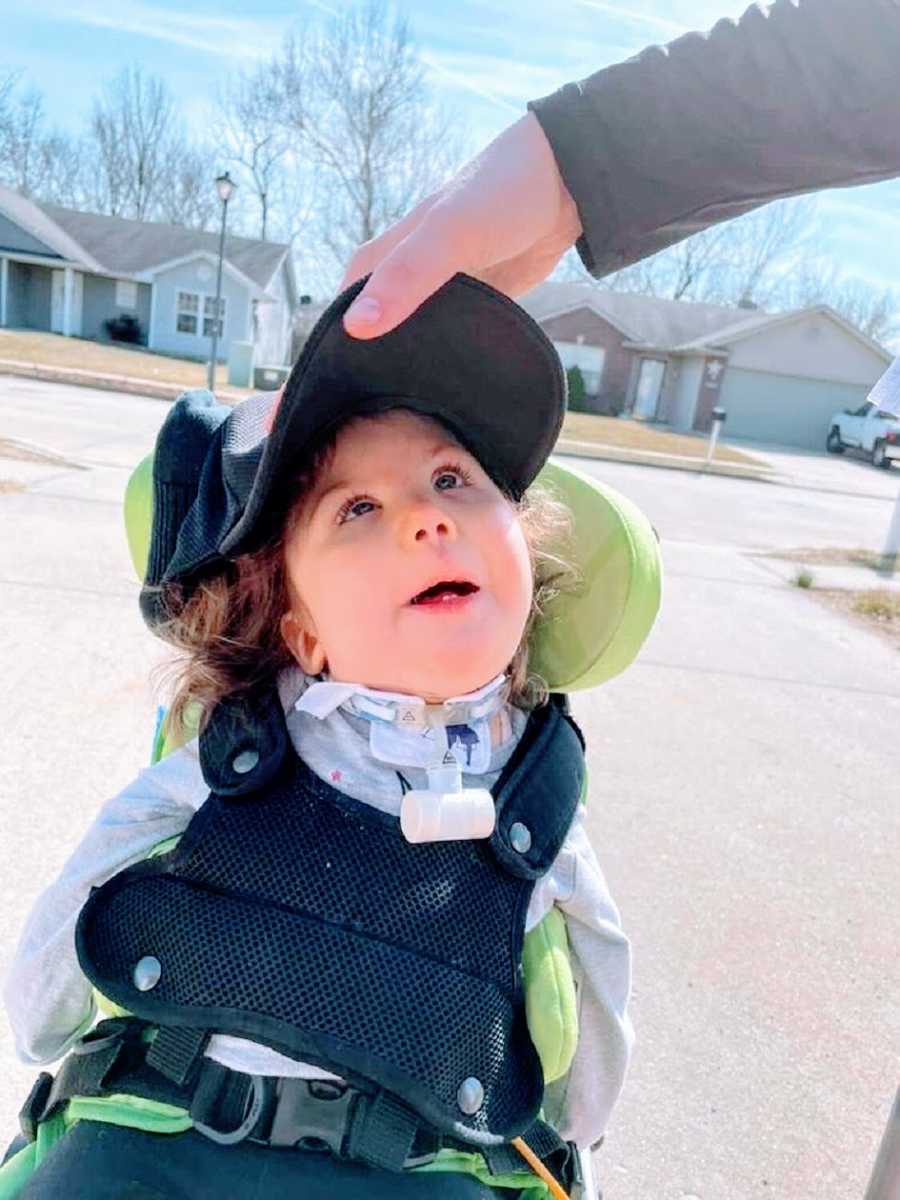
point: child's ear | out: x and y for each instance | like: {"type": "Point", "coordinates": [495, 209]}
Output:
{"type": "Point", "coordinates": [302, 642]}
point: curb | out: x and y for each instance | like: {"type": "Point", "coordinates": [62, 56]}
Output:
{"type": "Point", "coordinates": [149, 388]}
{"type": "Point", "coordinates": [653, 458]}
{"type": "Point", "coordinates": [676, 462]}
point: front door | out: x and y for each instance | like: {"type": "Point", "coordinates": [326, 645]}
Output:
{"type": "Point", "coordinates": [649, 385]}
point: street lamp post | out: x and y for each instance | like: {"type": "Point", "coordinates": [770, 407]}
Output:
{"type": "Point", "coordinates": [225, 185]}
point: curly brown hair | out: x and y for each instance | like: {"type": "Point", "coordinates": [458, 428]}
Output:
{"type": "Point", "coordinates": [227, 629]}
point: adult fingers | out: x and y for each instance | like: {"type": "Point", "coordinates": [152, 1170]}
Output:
{"type": "Point", "coordinates": [369, 255]}
{"type": "Point", "coordinates": [418, 265]}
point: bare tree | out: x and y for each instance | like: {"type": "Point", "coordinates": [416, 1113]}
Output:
{"type": "Point", "coordinates": [359, 116]}
{"type": "Point", "coordinates": [23, 152]}
{"type": "Point", "coordinates": [188, 197]}
{"type": "Point", "coordinates": [132, 127]}
{"type": "Point", "coordinates": [250, 131]}
{"type": "Point", "coordinates": [65, 171]}
{"type": "Point", "coordinates": [740, 260]}
{"type": "Point", "coordinates": [874, 311]}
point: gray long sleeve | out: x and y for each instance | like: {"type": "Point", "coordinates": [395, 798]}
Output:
{"type": "Point", "coordinates": [792, 97]}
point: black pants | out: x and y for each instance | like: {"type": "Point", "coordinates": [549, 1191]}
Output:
{"type": "Point", "coordinates": [97, 1161]}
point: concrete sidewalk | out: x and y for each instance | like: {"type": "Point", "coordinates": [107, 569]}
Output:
{"type": "Point", "coordinates": [743, 802]}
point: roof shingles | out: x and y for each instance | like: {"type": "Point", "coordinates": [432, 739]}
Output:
{"type": "Point", "coordinates": [648, 320]}
{"type": "Point", "coordinates": [126, 247]}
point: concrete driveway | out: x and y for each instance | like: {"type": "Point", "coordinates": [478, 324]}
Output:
{"type": "Point", "coordinates": [851, 472]}
{"type": "Point", "coordinates": [743, 805]}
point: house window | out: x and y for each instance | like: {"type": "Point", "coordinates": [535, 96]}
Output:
{"type": "Point", "coordinates": [589, 359]}
{"type": "Point", "coordinates": [209, 316]}
{"type": "Point", "coordinates": [126, 294]}
{"type": "Point", "coordinates": [186, 313]}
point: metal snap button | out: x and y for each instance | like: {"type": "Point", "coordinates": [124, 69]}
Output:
{"type": "Point", "coordinates": [470, 1096]}
{"type": "Point", "coordinates": [147, 973]}
{"type": "Point", "coordinates": [520, 837]}
{"type": "Point", "coordinates": [244, 762]}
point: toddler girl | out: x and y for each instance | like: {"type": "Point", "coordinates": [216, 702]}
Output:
{"type": "Point", "coordinates": [310, 920]}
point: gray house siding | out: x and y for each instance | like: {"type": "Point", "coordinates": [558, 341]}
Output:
{"type": "Point", "coordinates": [272, 335]}
{"type": "Point", "coordinates": [100, 305]}
{"type": "Point", "coordinates": [28, 304]}
{"type": "Point", "coordinates": [14, 237]}
{"type": "Point", "coordinates": [197, 276]}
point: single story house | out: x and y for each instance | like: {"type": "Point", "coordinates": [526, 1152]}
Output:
{"type": "Point", "coordinates": [69, 272]}
{"type": "Point", "coordinates": [779, 376]}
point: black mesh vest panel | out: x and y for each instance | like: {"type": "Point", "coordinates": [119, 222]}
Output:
{"type": "Point", "coordinates": [297, 917]}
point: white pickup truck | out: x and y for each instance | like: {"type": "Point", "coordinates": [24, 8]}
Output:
{"type": "Point", "coordinates": [868, 428]}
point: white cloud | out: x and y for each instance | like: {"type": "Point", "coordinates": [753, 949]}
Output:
{"type": "Point", "coordinates": [227, 37]}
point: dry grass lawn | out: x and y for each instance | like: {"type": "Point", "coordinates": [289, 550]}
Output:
{"type": "Point", "coordinates": [640, 435]}
{"type": "Point", "coordinates": [876, 610]}
{"type": "Point", "coordinates": [53, 350]}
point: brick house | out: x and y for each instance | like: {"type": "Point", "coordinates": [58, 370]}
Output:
{"type": "Point", "coordinates": [779, 376]}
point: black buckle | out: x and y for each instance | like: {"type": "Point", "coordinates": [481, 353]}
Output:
{"type": "Point", "coordinates": [33, 1108]}
{"type": "Point", "coordinates": [311, 1114]}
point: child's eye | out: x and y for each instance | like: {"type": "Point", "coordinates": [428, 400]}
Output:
{"type": "Point", "coordinates": [356, 506]}
{"type": "Point", "coordinates": [451, 476]}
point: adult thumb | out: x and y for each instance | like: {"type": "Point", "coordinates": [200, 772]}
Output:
{"type": "Point", "coordinates": [413, 271]}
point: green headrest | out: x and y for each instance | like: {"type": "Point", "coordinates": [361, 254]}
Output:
{"type": "Point", "coordinates": [586, 636]}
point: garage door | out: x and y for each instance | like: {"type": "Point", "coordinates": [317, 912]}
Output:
{"type": "Point", "coordinates": [783, 408]}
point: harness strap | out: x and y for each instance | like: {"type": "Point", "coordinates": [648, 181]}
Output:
{"type": "Point", "coordinates": [230, 1106]}
{"type": "Point", "coordinates": [546, 1144]}
{"type": "Point", "coordinates": [176, 1052]}
{"type": "Point", "coordinates": [382, 1132]}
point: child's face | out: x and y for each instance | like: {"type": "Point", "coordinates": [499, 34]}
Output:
{"type": "Point", "coordinates": [400, 509]}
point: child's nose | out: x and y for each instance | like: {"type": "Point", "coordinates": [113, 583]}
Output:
{"type": "Point", "coordinates": [426, 522]}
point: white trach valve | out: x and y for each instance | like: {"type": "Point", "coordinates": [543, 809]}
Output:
{"type": "Point", "coordinates": [446, 811]}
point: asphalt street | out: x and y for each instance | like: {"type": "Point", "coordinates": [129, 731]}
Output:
{"type": "Point", "coordinates": [743, 799]}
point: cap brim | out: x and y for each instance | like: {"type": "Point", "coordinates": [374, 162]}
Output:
{"type": "Point", "coordinates": [468, 357]}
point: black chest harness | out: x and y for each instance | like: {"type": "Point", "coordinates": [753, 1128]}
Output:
{"type": "Point", "coordinates": [297, 917]}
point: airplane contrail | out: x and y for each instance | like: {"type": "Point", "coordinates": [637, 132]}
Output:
{"type": "Point", "coordinates": [647, 18]}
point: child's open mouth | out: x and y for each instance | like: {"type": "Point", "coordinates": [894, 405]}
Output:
{"type": "Point", "coordinates": [445, 592]}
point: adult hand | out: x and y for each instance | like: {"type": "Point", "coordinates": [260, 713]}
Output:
{"type": "Point", "coordinates": [505, 218]}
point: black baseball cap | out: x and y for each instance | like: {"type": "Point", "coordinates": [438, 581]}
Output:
{"type": "Point", "coordinates": [469, 357]}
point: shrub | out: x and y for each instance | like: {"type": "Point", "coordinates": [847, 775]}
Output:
{"type": "Point", "coordinates": [123, 328]}
{"type": "Point", "coordinates": [577, 394]}
{"type": "Point", "coordinates": [804, 579]}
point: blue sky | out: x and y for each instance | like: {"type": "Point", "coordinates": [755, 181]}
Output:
{"type": "Point", "coordinates": [485, 58]}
